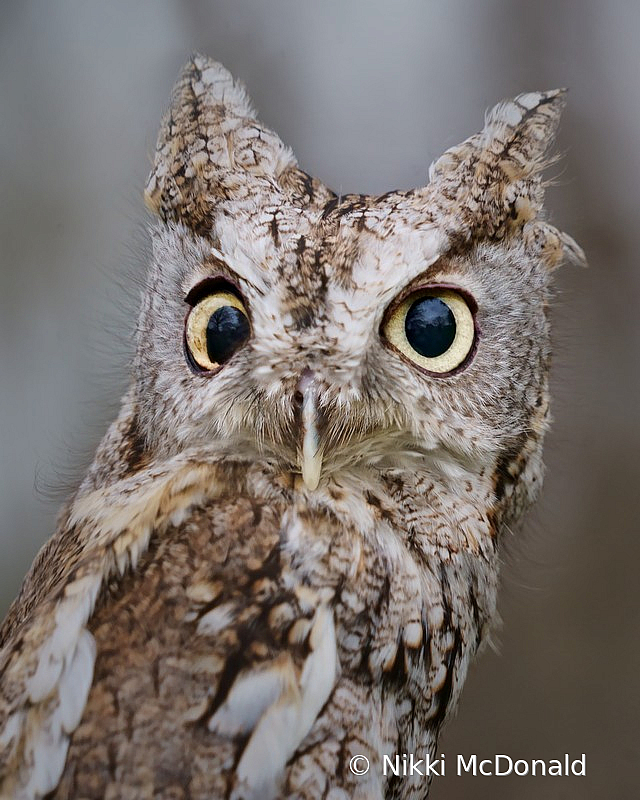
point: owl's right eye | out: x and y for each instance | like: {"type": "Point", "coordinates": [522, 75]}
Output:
{"type": "Point", "coordinates": [433, 328]}
{"type": "Point", "coordinates": [217, 326]}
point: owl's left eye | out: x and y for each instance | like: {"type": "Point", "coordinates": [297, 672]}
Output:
{"type": "Point", "coordinates": [217, 326]}
{"type": "Point", "coordinates": [433, 328]}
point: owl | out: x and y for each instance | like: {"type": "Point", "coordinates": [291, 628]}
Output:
{"type": "Point", "coordinates": [285, 553]}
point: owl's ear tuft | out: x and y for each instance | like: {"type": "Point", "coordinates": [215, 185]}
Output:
{"type": "Point", "coordinates": [495, 174]}
{"type": "Point", "coordinates": [514, 141]}
{"type": "Point", "coordinates": [518, 133]}
{"type": "Point", "coordinates": [551, 246]}
{"type": "Point", "coordinates": [211, 149]}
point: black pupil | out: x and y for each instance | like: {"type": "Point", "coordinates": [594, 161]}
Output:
{"type": "Point", "coordinates": [430, 327]}
{"type": "Point", "coordinates": [227, 330]}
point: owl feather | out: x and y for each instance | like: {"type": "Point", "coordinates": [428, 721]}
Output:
{"type": "Point", "coordinates": [288, 558]}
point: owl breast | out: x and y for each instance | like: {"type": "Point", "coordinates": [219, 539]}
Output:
{"type": "Point", "coordinates": [259, 645]}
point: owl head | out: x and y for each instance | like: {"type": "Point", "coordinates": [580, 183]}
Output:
{"type": "Point", "coordinates": [324, 334]}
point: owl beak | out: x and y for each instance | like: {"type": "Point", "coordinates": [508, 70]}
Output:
{"type": "Point", "coordinates": [311, 451]}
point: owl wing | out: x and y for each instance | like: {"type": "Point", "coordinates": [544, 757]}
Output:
{"type": "Point", "coordinates": [173, 647]}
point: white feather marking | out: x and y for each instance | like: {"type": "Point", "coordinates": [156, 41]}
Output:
{"type": "Point", "coordinates": [437, 681]}
{"type": "Point", "coordinates": [299, 630]}
{"type": "Point", "coordinates": [46, 753]}
{"type": "Point", "coordinates": [71, 615]}
{"type": "Point", "coordinates": [412, 634]}
{"type": "Point", "coordinates": [509, 113]}
{"type": "Point", "coordinates": [435, 617]}
{"type": "Point", "coordinates": [529, 100]}
{"type": "Point", "coordinates": [75, 682]}
{"type": "Point", "coordinates": [307, 597]}
{"type": "Point", "coordinates": [383, 658]}
{"type": "Point", "coordinates": [114, 521]}
{"type": "Point", "coordinates": [46, 676]}
{"type": "Point", "coordinates": [284, 724]}
{"type": "Point", "coordinates": [217, 619]}
{"type": "Point", "coordinates": [139, 546]}
{"type": "Point", "coordinates": [219, 82]}
{"type": "Point", "coordinates": [251, 695]}
{"type": "Point", "coordinates": [65, 664]}
{"type": "Point", "coordinates": [12, 728]}
{"type": "Point", "coordinates": [46, 750]}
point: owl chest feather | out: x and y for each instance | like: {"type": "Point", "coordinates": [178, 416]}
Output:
{"type": "Point", "coordinates": [257, 644]}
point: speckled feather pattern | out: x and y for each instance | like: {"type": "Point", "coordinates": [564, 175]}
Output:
{"type": "Point", "coordinates": [202, 624]}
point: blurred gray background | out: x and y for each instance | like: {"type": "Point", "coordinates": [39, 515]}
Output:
{"type": "Point", "coordinates": [367, 93]}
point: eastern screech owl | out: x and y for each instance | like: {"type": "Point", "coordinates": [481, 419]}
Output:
{"type": "Point", "coordinates": [286, 550]}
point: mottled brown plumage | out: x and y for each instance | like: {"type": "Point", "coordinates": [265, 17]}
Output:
{"type": "Point", "coordinates": [289, 560]}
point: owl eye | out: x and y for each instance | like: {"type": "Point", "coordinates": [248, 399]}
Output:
{"type": "Point", "coordinates": [433, 328]}
{"type": "Point", "coordinates": [217, 326]}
